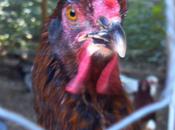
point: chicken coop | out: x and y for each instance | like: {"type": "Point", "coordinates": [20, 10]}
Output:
{"type": "Point", "coordinates": [18, 62]}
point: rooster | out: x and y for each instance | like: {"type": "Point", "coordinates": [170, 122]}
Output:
{"type": "Point", "coordinates": [75, 74]}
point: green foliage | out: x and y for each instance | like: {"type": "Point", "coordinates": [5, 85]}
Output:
{"type": "Point", "coordinates": [20, 24]}
{"type": "Point", "coordinates": [145, 29]}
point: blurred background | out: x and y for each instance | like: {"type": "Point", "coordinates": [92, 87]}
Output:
{"type": "Point", "coordinates": [20, 27]}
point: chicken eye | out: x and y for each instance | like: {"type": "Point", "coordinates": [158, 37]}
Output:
{"type": "Point", "coordinates": [71, 14]}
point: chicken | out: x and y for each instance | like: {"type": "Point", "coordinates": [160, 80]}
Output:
{"type": "Point", "coordinates": [142, 93]}
{"type": "Point", "coordinates": [131, 85]}
{"type": "Point", "coordinates": [76, 79]}
{"type": "Point", "coordinates": [144, 97]}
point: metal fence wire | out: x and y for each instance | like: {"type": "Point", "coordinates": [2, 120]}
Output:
{"type": "Point", "coordinates": [166, 100]}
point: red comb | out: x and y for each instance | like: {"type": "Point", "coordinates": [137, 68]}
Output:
{"type": "Point", "coordinates": [110, 3]}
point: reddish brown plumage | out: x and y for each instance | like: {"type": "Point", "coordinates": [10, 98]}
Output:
{"type": "Point", "coordinates": [143, 98]}
{"type": "Point", "coordinates": [56, 64]}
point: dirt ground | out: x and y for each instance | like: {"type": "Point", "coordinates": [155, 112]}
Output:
{"type": "Point", "coordinates": [13, 96]}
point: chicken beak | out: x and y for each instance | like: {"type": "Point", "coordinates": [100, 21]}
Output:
{"type": "Point", "coordinates": [118, 39]}
{"type": "Point", "coordinates": [111, 34]}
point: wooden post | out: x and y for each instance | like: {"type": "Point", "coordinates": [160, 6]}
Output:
{"type": "Point", "coordinates": [44, 11]}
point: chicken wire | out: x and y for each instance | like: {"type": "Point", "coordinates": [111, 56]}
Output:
{"type": "Point", "coordinates": [18, 119]}
{"type": "Point", "coordinates": [167, 99]}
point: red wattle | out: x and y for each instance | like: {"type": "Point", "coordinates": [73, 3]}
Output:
{"type": "Point", "coordinates": [76, 85]}
{"type": "Point", "coordinates": [109, 81]}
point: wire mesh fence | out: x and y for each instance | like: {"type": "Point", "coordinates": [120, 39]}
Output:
{"type": "Point", "coordinates": [166, 100]}
{"type": "Point", "coordinates": [18, 119]}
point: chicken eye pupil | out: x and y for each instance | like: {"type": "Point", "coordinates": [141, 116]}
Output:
{"type": "Point", "coordinates": [72, 13]}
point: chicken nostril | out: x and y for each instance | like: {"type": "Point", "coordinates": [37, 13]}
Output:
{"type": "Point", "coordinates": [104, 21]}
